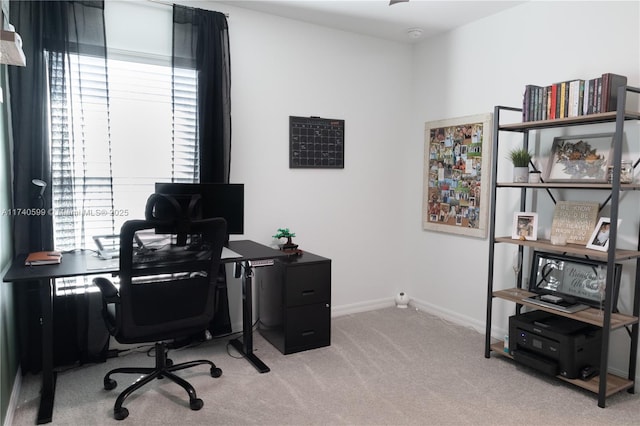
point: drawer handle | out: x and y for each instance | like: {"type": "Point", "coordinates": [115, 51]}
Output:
{"type": "Point", "coordinates": [308, 333]}
{"type": "Point", "coordinates": [308, 292]}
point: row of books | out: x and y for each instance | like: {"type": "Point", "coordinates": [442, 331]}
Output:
{"type": "Point", "coordinates": [572, 98]}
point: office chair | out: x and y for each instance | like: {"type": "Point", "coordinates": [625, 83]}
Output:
{"type": "Point", "coordinates": [165, 293]}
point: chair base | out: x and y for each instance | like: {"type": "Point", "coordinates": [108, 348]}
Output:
{"type": "Point", "coordinates": [164, 368]}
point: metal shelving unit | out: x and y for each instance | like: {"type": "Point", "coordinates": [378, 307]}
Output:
{"type": "Point", "coordinates": [604, 384]}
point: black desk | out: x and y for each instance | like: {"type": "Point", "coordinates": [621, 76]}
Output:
{"type": "Point", "coordinates": [75, 264]}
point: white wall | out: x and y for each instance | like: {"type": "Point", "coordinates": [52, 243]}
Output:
{"type": "Point", "coordinates": [488, 63]}
{"type": "Point", "coordinates": [283, 68]}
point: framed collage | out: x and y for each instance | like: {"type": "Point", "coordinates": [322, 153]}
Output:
{"type": "Point", "coordinates": [456, 180]}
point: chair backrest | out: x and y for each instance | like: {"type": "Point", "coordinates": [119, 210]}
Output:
{"type": "Point", "coordinates": [167, 290]}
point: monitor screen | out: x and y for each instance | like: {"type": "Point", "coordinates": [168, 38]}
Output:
{"type": "Point", "coordinates": [572, 278]}
{"type": "Point", "coordinates": [216, 200]}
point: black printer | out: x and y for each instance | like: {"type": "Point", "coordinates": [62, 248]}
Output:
{"type": "Point", "coordinates": [553, 344]}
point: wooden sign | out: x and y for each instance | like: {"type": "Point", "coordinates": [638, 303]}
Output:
{"type": "Point", "coordinates": [574, 220]}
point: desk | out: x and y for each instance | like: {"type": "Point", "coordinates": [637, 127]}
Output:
{"type": "Point", "coordinates": [75, 264]}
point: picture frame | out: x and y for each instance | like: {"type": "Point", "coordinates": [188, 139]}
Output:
{"type": "Point", "coordinates": [575, 279]}
{"type": "Point", "coordinates": [457, 175]}
{"type": "Point", "coordinates": [599, 239]}
{"type": "Point", "coordinates": [584, 158]}
{"type": "Point", "coordinates": [525, 224]}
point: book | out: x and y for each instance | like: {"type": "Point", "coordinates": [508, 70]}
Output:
{"type": "Point", "coordinates": [563, 93]}
{"type": "Point", "coordinates": [531, 103]}
{"type": "Point", "coordinates": [610, 84]}
{"type": "Point", "coordinates": [554, 101]}
{"type": "Point", "coordinates": [574, 220]}
{"type": "Point", "coordinates": [574, 96]}
{"type": "Point", "coordinates": [43, 258]}
{"type": "Point", "coordinates": [598, 96]}
{"type": "Point", "coordinates": [588, 96]}
{"type": "Point", "coordinates": [549, 103]}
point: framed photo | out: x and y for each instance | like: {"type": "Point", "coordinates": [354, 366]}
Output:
{"type": "Point", "coordinates": [582, 159]}
{"type": "Point", "coordinates": [599, 239]}
{"type": "Point", "coordinates": [571, 277]}
{"type": "Point", "coordinates": [457, 175]}
{"type": "Point", "coordinates": [525, 225]}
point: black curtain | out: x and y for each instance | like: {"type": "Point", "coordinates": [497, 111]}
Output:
{"type": "Point", "coordinates": [201, 42]}
{"type": "Point", "coordinates": [63, 27]}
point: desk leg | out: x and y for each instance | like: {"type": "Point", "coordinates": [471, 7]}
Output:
{"type": "Point", "coordinates": [245, 346]}
{"type": "Point", "coordinates": [47, 394]}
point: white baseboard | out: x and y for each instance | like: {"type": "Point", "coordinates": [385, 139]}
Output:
{"type": "Point", "coordinates": [337, 311]}
{"type": "Point", "coordinates": [448, 315]}
{"type": "Point", "coordinates": [13, 400]}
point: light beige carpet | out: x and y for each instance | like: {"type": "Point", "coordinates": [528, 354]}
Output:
{"type": "Point", "coordinates": [385, 367]}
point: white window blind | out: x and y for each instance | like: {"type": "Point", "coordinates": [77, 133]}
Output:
{"type": "Point", "coordinates": [112, 138]}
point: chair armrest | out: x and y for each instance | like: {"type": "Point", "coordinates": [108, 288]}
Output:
{"type": "Point", "coordinates": [108, 290]}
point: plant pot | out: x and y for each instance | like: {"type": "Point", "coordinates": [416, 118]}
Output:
{"type": "Point", "coordinates": [521, 174]}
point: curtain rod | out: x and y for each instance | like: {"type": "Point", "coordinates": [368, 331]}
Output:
{"type": "Point", "coordinates": [165, 3]}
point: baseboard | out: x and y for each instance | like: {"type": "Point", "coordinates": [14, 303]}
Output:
{"type": "Point", "coordinates": [13, 400]}
{"type": "Point", "coordinates": [371, 305]}
{"type": "Point", "coordinates": [448, 315]}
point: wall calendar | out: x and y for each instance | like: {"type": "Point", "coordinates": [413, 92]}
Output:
{"type": "Point", "coordinates": [316, 142]}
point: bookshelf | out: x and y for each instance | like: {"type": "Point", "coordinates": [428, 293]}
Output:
{"type": "Point", "coordinates": [604, 384]}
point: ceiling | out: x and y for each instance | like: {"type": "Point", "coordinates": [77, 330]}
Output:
{"type": "Point", "coordinates": [378, 18]}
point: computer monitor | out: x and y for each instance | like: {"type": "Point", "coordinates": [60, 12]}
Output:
{"type": "Point", "coordinates": [216, 200]}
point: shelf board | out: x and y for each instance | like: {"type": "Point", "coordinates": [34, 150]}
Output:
{"type": "Point", "coordinates": [603, 117]}
{"type": "Point", "coordinates": [615, 383]}
{"type": "Point", "coordinates": [576, 249]}
{"type": "Point", "coordinates": [591, 316]}
{"type": "Point", "coordinates": [568, 185]}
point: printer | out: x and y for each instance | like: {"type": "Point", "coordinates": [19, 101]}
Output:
{"type": "Point", "coordinates": [553, 344]}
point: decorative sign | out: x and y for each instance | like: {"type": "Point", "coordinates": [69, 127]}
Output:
{"type": "Point", "coordinates": [316, 142]}
{"type": "Point", "coordinates": [574, 220]}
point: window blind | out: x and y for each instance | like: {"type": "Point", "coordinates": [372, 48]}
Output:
{"type": "Point", "coordinates": [113, 135]}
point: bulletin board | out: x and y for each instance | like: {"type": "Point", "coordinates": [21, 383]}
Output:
{"type": "Point", "coordinates": [316, 142]}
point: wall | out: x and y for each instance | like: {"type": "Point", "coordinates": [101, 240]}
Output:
{"type": "Point", "coordinates": [469, 71]}
{"type": "Point", "coordinates": [282, 67]}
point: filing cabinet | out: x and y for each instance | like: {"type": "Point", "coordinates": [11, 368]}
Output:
{"type": "Point", "coordinates": [294, 300]}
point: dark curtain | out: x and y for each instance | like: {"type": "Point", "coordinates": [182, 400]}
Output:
{"type": "Point", "coordinates": [201, 42]}
{"type": "Point", "coordinates": [63, 27]}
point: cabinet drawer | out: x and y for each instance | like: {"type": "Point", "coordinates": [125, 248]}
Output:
{"type": "Point", "coordinates": [308, 284]}
{"type": "Point", "coordinates": [307, 327]}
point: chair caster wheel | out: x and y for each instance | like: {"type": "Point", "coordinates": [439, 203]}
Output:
{"type": "Point", "coordinates": [110, 384]}
{"type": "Point", "coordinates": [196, 404]}
{"type": "Point", "coordinates": [120, 413]}
{"type": "Point", "coordinates": [168, 362]}
{"type": "Point", "coordinates": [216, 372]}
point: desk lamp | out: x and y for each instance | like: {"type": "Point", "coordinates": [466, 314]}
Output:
{"type": "Point", "coordinates": [40, 186]}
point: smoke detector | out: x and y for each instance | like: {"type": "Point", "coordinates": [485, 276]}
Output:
{"type": "Point", "coordinates": [414, 33]}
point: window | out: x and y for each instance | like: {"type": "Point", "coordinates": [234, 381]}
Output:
{"type": "Point", "coordinates": [113, 135]}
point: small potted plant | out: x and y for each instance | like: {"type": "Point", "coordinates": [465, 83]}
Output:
{"type": "Point", "coordinates": [285, 233]}
{"type": "Point", "coordinates": [520, 158]}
